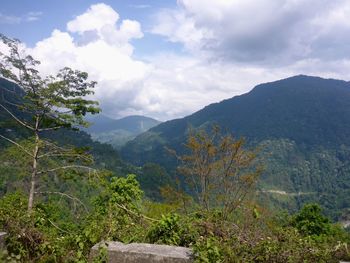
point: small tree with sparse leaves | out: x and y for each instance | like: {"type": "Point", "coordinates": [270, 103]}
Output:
{"type": "Point", "coordinates": [219, 170]}
{"type": "Point", "coordinates": [51, 103]}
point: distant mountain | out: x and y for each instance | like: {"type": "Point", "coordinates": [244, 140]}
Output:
{"type": "Point", "coordinates": [303, 123]}
{"type": "Point", "coordinates": [120, 131]}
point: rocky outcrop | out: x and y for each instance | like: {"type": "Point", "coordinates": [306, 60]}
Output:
{"type": "Point", "coordinates": [144, 253]}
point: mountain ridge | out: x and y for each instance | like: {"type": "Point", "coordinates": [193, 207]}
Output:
{"type": "Point", "coordinates": [302, 124]}
{"type": "Point", "coordinates": [210, 112]}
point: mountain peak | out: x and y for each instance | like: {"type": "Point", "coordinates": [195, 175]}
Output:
{"type": "Point", "coordinates": [306, 109]}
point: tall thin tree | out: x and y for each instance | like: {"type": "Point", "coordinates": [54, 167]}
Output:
{"type": "Point", "coordinates": [50, 103]}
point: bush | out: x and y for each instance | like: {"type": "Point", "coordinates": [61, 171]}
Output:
{"type": "Point", "coordinates": [173, 230]}
{"type": "Point", "coordinates": [311, 222]}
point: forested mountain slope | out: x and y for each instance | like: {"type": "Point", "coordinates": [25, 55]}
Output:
{"type": "Point", "coordinates": [302, 124]}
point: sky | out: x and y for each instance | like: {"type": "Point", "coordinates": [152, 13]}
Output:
{"type": "Point", "coordinates": [166, 59]}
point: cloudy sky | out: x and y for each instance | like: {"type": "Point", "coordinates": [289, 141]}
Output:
{"type": "Point", "coordinates": [167, 58]}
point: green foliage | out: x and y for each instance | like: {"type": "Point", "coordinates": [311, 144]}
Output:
{"type": "Point", "coordinates": [52, 233]}
{"type": "Point", "coordinates": [48, 103]}
{"type": "Point", "coordinates": [152, 178]}
{"type": "Point", "coordinates": [307, 146]}
{"type": "Point", "coordinates": [22, 238]}
{"type": "Point", "coordinates": [63, 226]}
{"type": "Point", "coordinates": [262, 240]}
{"type": "Point", "coordinates": [116, 214]}
{"type": "Point", "coordinates": [219, 170]}
{"type": "Point", "coordinates": [166, 231]}
{"type": "Point", "coordinates": [288, 246]}
{"type": "Point", "coordinates": [125, 191]}
{"type": "Point", "coordinates": [173, 229]}
{"type": "Point", "coordinates": [311, 222]}
{"type": "Point", "coordinates": [46, 97]}
{"type": "Point", "coordinates": [306, 175]}
{"type": "Point", "coordinates": [102, 256]}
{"type": "Point", "coordinates": [208, 250]}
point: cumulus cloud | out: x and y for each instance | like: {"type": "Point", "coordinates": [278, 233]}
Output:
{"type": "Point", "coordinates": [99, 22]}
{"type": "Point", "coordinates": [265, 31]}
{"type": "Point", "coordinates": [95, 18]}
{"type": "Point", "coordinates": [164, 86]}
{"type": "Point", "coordinates": [106, 54]}
{"type": "Point", "coordinates": [231, 46]}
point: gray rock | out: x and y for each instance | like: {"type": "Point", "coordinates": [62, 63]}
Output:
{"type": "Point", "coordinates": [144, 253]}
{"type": "Point", "coordinates": [2, 240]}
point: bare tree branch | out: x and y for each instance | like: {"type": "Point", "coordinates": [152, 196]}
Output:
{"type": "Point", "coordinates": [54, 145]}
{"type": "Point", "coordinates": [75, 199]}
{"type": "Point", "coordinates": [67, 167]}
{"type": "Point", "coordinates": [18, 120]}
{"type": "Point", "coordinates": [79, 156]}
{"type": "Point", "coordinates": [19, 146]}
{"type": "Point", "coordinates": [136, 214]}
{"type": "Point", "coordinates": [50, 129]}
{"type": "Point", "coordinates": [52, 223]}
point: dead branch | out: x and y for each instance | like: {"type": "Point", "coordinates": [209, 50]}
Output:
{"type": "Point", "coordinates": [67, 167]}
{"type": "Point", "coordinates": [136, 214]}
{"type": "Point", "coordinates": [75, 199]}
{"type": "Point", "coordinates": [18, 120]}
{"type": "Point", "coordinates": [52, 223]}
{"type": "Point", "coordinates": [18, 145]}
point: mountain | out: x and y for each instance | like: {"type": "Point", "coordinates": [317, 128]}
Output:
{"type": "Point", "coordinates": [118, 132]}
{"type": "Point", "coordinates": [302, 124]}
{"type": "Point", "coordinates": [308, 110]}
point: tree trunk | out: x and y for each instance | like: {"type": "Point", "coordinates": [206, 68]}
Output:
{"type": "Point", "coordinates": [34, 168]}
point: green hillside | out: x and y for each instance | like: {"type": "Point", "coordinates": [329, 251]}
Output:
{"type": "Point", "coordinates": [302, 124]}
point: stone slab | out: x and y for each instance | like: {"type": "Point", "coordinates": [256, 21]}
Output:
{"type": "Point", "coordinates": [144, 253]}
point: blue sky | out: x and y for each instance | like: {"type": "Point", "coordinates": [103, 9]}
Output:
{"type": "Point", "coordinates": [167, 59]}
{"type": "Point", "coordinates": [54, 14]}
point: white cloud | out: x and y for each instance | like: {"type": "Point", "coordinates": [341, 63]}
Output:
{"type": "Point", "coordinates": [231, 46]}
{"type": "Point", "coordinates": [33, 16]}
{"type": "Point", "coordinates": [106, 54]}
{"type": "Point", "coordinates": [141, 6]}
{"type": "Point", "coordinates": [264, 31]}
{"type": "Point", "coordinates": [7, 19]}
{"type": "Point", "coordinates": [95, 18]}
{"type": "Point", "coordinates": [12, 20]}
{"type": "Point", "coordinates": [99, 22]}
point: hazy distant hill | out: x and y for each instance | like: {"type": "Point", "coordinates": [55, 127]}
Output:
{"type": "Point", "coordinates": [118, 132]}
{"type": "Point", "coordinates": [303, 123]}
